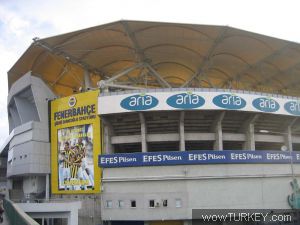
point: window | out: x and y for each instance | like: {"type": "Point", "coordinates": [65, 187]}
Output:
{"type": "Point", "coordinates": [151, 203]}
{"type": "Point", "coordinates": [108, 204]}
{"type": "Point", "coordinates": [121, 204]}
{"type": "Point", "coordinates": [133, 204]}
{"type": "Point", "coordinates": [165, 203]}
{"type": "Point", "coordinates": [178, 203]}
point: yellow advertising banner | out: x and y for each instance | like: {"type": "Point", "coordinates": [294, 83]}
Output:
{"type": "Point", "coordinates": [75, 144]}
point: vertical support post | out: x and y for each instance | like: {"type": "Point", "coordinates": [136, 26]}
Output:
{"type": "Point", "coordinates": [181, 132]}
{"type": "Point", "coordinates": [248, 129]}
{"type": "Point", "coordinates": [9, 186]}
{"type": "Point", "coordinates": [218, 145]}
{"type": "Point", "coordinates": [108, 132]}
{"type": "Point", "coordinates": [288, 138]}
{"type": "Point", "coordinates": [143, 133]}
{"type": "Point", "coordinates": [47, 191]}
{"type": "Point", "coordinates": [87, 80]}
{"type": "Point", "coordinates": [217, 128]}
{"type": "Point", "coordinates": [250, 138]}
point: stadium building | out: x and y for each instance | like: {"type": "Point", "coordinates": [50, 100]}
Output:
{"type": "Point", "coordinates": [142, 122]}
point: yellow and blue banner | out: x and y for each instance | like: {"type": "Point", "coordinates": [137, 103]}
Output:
{"type": "Point", "coordinates": [75, 144]}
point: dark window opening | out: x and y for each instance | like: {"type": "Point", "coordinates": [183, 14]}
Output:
{"type": "Point", "coordinates": [165, 203]}
{"type": "Point", "coordinates": [133, 204]}
{"type": "Point", "coordinates": [151, 203]}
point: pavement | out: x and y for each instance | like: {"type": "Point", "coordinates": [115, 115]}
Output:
{"type": "Point", "coordinates": [5, 220]}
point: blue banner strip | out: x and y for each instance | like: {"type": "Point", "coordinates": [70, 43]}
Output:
{"type": "Point", "coordinates": [197, 157]}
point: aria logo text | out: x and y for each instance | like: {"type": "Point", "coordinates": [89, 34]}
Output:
{"type": "Point", "coordinates": [266, 104]}
{"type": "Point", "coordinates": [185, 101]}
{"type": "Point", "coordinates": [229, 101]}
{"type": "Point", "coordinates": [139, 102]}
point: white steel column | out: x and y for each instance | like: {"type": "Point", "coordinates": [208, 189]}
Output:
{"type": "Point", "coordinates": [47, 191]}
{"type": "Point", "coordinates": [217, 128]}
{"type": "Point", "coordinates": [87, 80]}
{"type": "Point", "coordinates": [181, 132]}
{"type": "Point", "coordinates": [288, 138]}
{"type": "Point", "coordinates": [143, 133]}
{"type": "Point", "coordinates": [248, 128]}
{"type": "Point", "coordinates": [288, 142]}
{"type": "Point", "coordinates": [108, 132]}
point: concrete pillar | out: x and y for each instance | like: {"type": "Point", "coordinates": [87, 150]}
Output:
{"type": "Point", "coordinates": [218, 145]}
{"type": "Point", "coordinates": [143, 133]}
{"type": "Point", "coordinates": [288, 142]}
{"type": "Point", "coordinates": [248, 129]}
{"type": "Point", "coordinates": [73, 217]}
{"type": "Point", "coordinates": [250, 138]}
{"type": "Point", "coordinates": [9, 185]}
{"type": "Point", "coordinates": [108, 132]}
{"type": "Point", "coordinates": [288, 138]}
{"type": "Point", "coordinates": [47, 193]}
{"type": "Point", "coordinates": [87, 80]}
{"type": "Point", "coordinates": [217, 128]}
{"type": "Point", "coordinates": [181, 132]}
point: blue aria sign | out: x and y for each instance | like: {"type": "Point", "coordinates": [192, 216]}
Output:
{"type": "Point", "coordinates": [229, 101]}
{"type": "Point", "coordinates": [293, 107]}
{"type": "Point", "coordinates": [139, 102]}
{"type": "Point", "coordinates": [185, 101]}
{"type": "Point", "coordinates": [265, 104]}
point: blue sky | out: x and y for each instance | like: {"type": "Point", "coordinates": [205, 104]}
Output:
{"type": "Point", "coordinates": [20, 21]}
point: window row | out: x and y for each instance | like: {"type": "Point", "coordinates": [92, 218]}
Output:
{"type": "Point", "coordinates": [152, 203]}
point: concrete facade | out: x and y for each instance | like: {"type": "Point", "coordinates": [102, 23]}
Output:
{"type": "Point", "coordinates": [198, 187]}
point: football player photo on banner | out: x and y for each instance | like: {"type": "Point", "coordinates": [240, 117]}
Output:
{"type": "Point", "coordinates": [75, 144]}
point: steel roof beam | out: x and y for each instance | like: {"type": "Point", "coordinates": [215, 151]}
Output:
{"type": "Point", "coordinates": [68, 57]}
{"type": "Point", "coordinates": [123, 72]}
{"type": "Point", "coordinates": [291, 84]}
{"type": "Point", "coordinates": [200, 69]}
{"type": "Point", "coordinates": [141, 55]}
{"type": "Point", "coordinates": [257, 64]}
{"type": "Point", "coordinates": [289, 69]}
{"type": "Point", "coordinates": [160, 79]}
{"type": "Point", "coordinates": [123, 87]}
{"type": "Point", "coordinates": [133, 41]}
{"type": "Point", "coordinates": [61, 74]}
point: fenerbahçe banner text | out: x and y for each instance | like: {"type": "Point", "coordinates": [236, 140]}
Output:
{"type": "Point", "coordinates": [75, 144]}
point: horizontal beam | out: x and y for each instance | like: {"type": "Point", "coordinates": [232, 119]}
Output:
{"type": "Point", "coordinates": [125, 139]}
{"type": "Point", "coordinates": [269, 138]}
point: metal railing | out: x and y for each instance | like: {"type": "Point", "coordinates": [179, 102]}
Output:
{"type": "Point", "coordinates": [16, 215]}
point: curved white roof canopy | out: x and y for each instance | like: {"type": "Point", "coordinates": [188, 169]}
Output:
{"type": "Point", "coordinates": [156, 54]}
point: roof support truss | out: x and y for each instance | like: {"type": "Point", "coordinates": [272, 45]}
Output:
{"type": "Point", "coordinates": [204, 63]}
{"type": "Point", "coordinates": [257, 64]}
{"type": "Point", "coordinates": [68, 57]}
{"type": "Point", "coordinates": [142, 57]}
